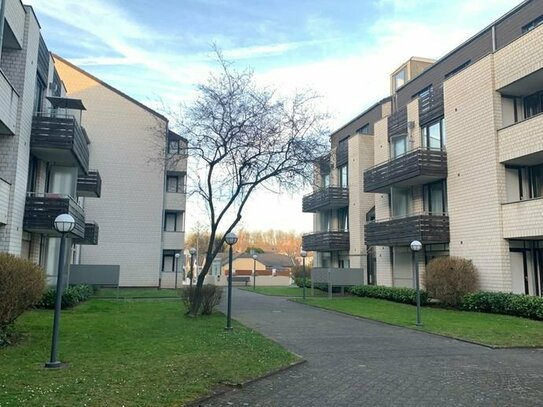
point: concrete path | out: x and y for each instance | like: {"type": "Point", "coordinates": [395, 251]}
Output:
{"type": "Point", "coordinates": [353, 362]}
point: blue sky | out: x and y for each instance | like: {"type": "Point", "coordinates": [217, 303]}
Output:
{"type": "Point", "coordinates": [158, 49]}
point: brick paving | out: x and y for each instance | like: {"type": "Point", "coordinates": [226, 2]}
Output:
{"type": "Point", "coordinates": [354, 362]}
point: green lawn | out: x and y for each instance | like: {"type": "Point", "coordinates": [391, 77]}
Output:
{"type": "Point", "coordinates": [136, 293]}
{"type": "Point", "coordinates": [285, 291]}
{"type": "Point", "coordinates": [490, 329]}
{"type": "Point", "coordinates": [131, 353]}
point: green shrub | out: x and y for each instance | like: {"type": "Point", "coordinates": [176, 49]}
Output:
{"type": "Point", "coordinates": [211, 296]}
{"type": "Point", "coordinates": [403, 295]}
{"type": "Point", "coordinates": [448, 279]}
{"type": "Point", "coordinates": [504, 303]}
{"type": "Point", "coordinates": [71, 296]}
{"type": "Point", "coordinates": [21, 286]}
{"type": "Point", "coordinates": [297, 275]}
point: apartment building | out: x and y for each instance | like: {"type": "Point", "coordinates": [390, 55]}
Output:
{"type": "Point", "coordinates": [71, 143]}
{"type": "Point", "coordinates": [453, 158]}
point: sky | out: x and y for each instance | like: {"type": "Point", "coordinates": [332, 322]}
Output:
{"type": "Point", "coordinates": [157, 50]}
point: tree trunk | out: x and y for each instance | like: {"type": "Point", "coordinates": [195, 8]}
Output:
{"type": "Point", "coordinates": [196, 302]}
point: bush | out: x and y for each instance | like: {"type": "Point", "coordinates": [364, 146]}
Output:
{"type": "Point", "coordinates": [504, 303]}
{"type": "Point", "coordinates": [21, 286]}
{"type": "Point", "coordinates": [71, 296]}
{"type": "Point", "coordinates": [403, 295]}
{"type": "Point", "coordinates": [297, 275]}
{"type": "Point", "coordinates": [448, 279]}
{"type": "Point", "coordinates": [211, 296]}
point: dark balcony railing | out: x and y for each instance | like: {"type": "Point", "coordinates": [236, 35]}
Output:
{"type": "Point", "coordinates": [42, 209]}
{"type": "Point", "coordinates": [326, 241]}
{"type": "Point", "coordinates": [416, 167]}
{"type": "Point", "coordinates": [323, 164]}
{"type": "Point", "coordinates": [402, 231]}
{"type": "Point", "coordinates": [59, 139]}
{"type": "Point", "coordinates": [430, 105]}
{"type": "Point", "coordinates": [342, 153]}
{"type": "Point", "coordinates": [397, 122]}
{"type": "Point", "coordinates": [326, 198]}
{"type": "Point", "coordinates": [89, 185]}
{"type": "Point", "coordinates": [91, 234]}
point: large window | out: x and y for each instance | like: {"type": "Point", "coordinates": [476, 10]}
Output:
{"type": "Point", "coordinates": [173, 222]}
{"type": "Point", "coordinates": [175, 183]}
{"type": "Point", "coordinates": [433, 136]}
{"type": "Point", "coordinates": [533, 104]}
{"type": "Point", "coordinates": [398, 146]}
{"type": "Point", "coordinates": [343, 219]}
{"type": "Point", "coordinates": [400, 79]}
{"type": "Point", "coordinates": [325, 221]}
{"type": "Point", "coordinates": [168, 260]}
{"type": "Point", "coordinates": [400, 202]}
{"type": "Point", "coordinates": [524, 182]}
{"type": "Point", "coordinates": [343, 176]}
{"type": "Point", "coordinates": [435, 198]}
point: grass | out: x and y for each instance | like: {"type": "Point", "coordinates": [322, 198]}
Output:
{"type": "Point", "coordinates": [489, 329]}
{"type": "Point", "coordinates": [285, 291]}
{"type": "Point", "coordinates": [136, 293]}
{"type": "Point", "coordinates": [131, 353]}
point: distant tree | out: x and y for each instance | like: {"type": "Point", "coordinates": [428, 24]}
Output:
{"type": "Point", "coordinates": [243, 137]}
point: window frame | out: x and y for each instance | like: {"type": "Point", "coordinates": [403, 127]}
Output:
{"type": "Point", "coordinates": [425, 134]}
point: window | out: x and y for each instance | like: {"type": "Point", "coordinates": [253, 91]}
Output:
{"type": "Point", "coordinates": [532, 24]}
{"type": "Point", "coordinates": [533, 104]}
{"type": "Point", "coordinates": [343, 176]}
{"type": "Point", "coordinates": [364, 129]}
{"type": "Point", "coordinates": [168, 260]}
{"type": "Point", "coordinates": [370, 215]}
{"type": "Point", "coordinates": [173, 147]}
{"type": "Point", "coordinates": [343, 219]}
{"type": "Point", "coordinates": [435, 198]}
{"type": "Point", "coordinates": [433, 136]}
{"type": "Point", "coordinates": [524, 183]}
{"type": "Point", "coordinates": [325, 221]}
{"type": "Point", "coordinates": [172, 183]}
{"type": "Point", "coordinates": [326, 180]}
{"type": "Point", "coordinates": [399, 202]}
{"type": "Point", "coordinates": [38, 95]}
{"type": "Point", "coordinates": [398, 146]}
{"type": "Point", "coordinates": [400, 79]}
{"type": "Point", "coordinates": [173, 222]}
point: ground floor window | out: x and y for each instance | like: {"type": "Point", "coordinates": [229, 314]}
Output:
{"type": "Point", "coordinates": [168, 260]}
{"type": "Point", "coordinates": [526, 266]}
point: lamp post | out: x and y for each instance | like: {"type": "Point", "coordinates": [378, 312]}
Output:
{"type": "Point", "coordinates": [192, 252]}
{"type": "Point", "coordinates": [176, 267]}
{"type": "Point", "coordinates": [230, 239]}
{"type": "Point", "coordinates": [254, 271]}
{"type": "Point", "coordinates": [63, 224]}
{"type": "Point", "coordinates": [303, 253]}
{"type": "Point", "coordinates": [416, 246]}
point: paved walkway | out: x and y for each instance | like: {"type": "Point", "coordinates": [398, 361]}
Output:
{"type": "Point", "coordinates": [353, 362]}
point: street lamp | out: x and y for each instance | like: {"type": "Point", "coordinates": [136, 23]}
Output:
{"type": "Point", "coordinates": [64, 223]}
{"type": "Point", "coordinates": [192, 252]}
{"type": "Point", "coordinates": [254, 271]}
{"type": "Point", "coordinates": [303, 253]}
{"type": "Point", "coordinates": [176, 267]}
{"type": "Point", "coordinates": [230, 239]}
{"type": "Point", "coordinates": [416, 246]}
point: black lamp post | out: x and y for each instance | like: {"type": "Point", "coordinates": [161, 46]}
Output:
{"type": "Point", "coordinates": [303, 253]}
{"type": "Point", "coordinates": [415, 248]}
{"type": "Point", "coordinates": [176, 268]}
{"type": "Point", "coordinates": [192, 252]}
{"type": "Point", "coordinates": [254, 271]}
{"type": "Point", "coordinates": [230, 239]}
{"type": "Point", "coordinates": [63, 224]}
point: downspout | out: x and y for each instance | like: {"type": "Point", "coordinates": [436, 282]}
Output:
{"type": "Point", "coordinates": [2, 18]}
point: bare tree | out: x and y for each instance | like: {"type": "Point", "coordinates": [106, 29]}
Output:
{"type": "Point", "coordinates": [243, 137]}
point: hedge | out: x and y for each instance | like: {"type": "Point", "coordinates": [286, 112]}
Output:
{"type": "Point", "coordinates": [71, 296]}
{"type": "Point", "coordinates": [403, 295]}
{"type": "Point", "coordinates": [518, 305]}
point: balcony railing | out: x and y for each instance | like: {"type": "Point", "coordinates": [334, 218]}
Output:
{"type": "Point", "coordinates": [326, 198]}
{"type": "Point", "coordinates": [397, 122]}
{"type": "Point", "coordinates": [342, 153]}
{"type": "Point", "coordinates": [89, 185]}
{"type": "Point", "coordinates": [59, 139]}
{"type": "Point", "coordinates": [8, 107]}
{"type": "Point", "coordinates": [425, 228]}
{"type": "Point", "coordinates": [91, 234]}
{"type": "Point", "coordinates": [42, 209]}
{"type": "Point", "coordinates": [326, 241]}
{"type": "Point", "coordinates": [430, 106]}
{"type": "Point", "coordinates": [522, 219]}
{"type": "Point", "coordinates": [416, 167]}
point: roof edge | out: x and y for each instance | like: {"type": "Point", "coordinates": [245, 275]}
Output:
{"type": "Point", "coordinates": [379, 103]}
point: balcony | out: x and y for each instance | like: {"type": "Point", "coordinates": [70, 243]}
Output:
{"type": "Point", "coordinates": [326, 198]}
{"type": "Point", "coordinates": [326, 241]}
{"type": "Point", "coordinates": [5, 188]}
{"type": "Point", "coordinates": [9, 100]}
{"type": "Point", "coordinates": [397, 122]}
{"type": "Point", "coordinates": [60, 140]}
{"type": "Point", "coordinates": [42, 209]}
{"type": "Point", "coordinates": [173, 240]}
{"type": "Point", "coordinates": [402, 231]}
{"type": "Point", "coordinates": [89, 185]}
{"type": "Point", "coordinates": [342, 153]}
{"type": "Point", "coordinates": [416, 167]}
{"type": "Point", "coordinates": [521, 143]}
{"type": "Point", "coordinates": [91, 234]}
{"type": "Point", "coordinates": [431, 106]}
{"type": "Point", "coordinates": [522, 219]}
{"type": "Point", "coordinates": [175, 201]}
